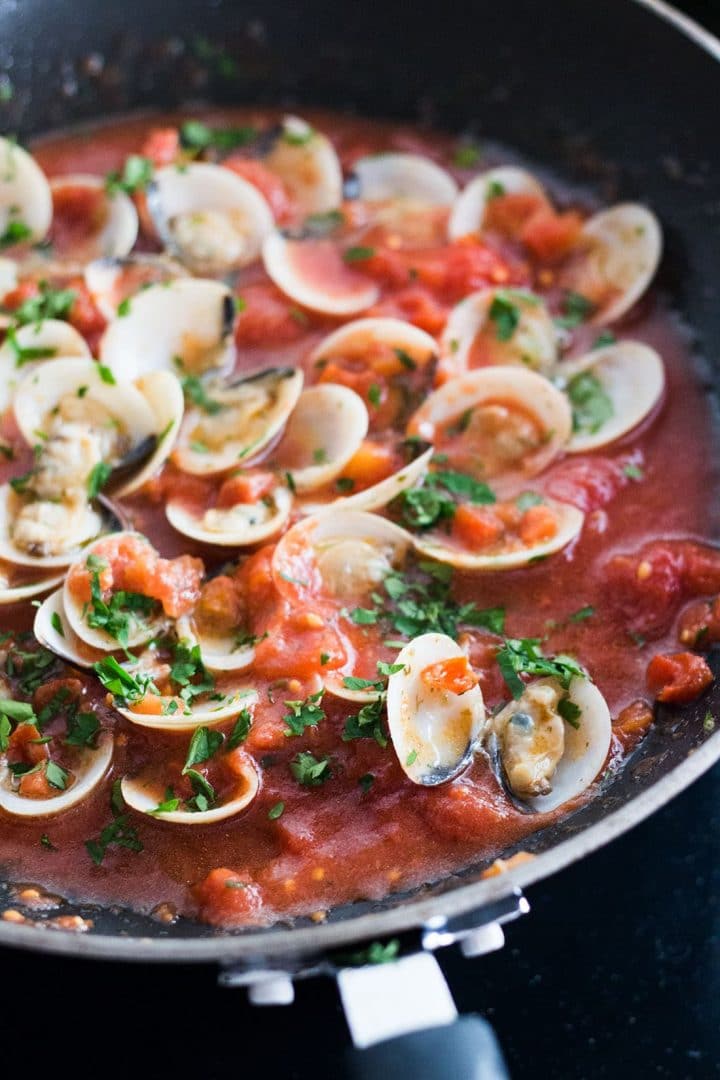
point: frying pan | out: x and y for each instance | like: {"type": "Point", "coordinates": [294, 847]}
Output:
{"type": "Point", "coordinates": [614, 96]}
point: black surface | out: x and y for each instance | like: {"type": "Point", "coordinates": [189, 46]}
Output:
{"type": "Point", "coordinates": [615, 973]}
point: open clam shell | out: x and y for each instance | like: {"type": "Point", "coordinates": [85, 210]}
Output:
{"type": "Point", "coordinates": [344, 555]}
{"type": "Point", "coordinates": [434, 731]}
{"type": "Point", "coordinates": [314, 275]}
{"type": "Point", "coordinates": [506, 555]}
{"type": "Point", "coordinates": [474, 336]}
{"type": "Point", "coordinates": [16, 586]}
{"type": "Point", "coordinates": [242, 417]}
{"type": "Point", "coordinates": [323, 432]}
{"type": "Point", "coordinates": [89, 770]}
{"type": "Point", "coordinates": [468, 212]}
{"type": "Point", "coordinates": [49, 338]}
{"type": "Point", "coordinates": [502, 424]}
{"type": "Point", "coordinates": [114, 280]}
{"type": "Point", "coordinates": [618, 255]}
{"type": "Point", "coordinates": [378, 495]}
{"type": "Point", "coordinates": [586, 741]}
{"type": "Point", "coordinates": [235, 526]}
{"type": "Point", "coordinates": [76, 527]}
{"type": "Point", "coordinates": [358, 340]}
{"type": "Point", "coordinates": [208, 713]}
{"type": "Point", "coordinates": [144, 795]}
{"type": "Point", "coordinates": [163, 393]}
{"type": "Point", "coordinates": [411, 177]}
{"type": "Point", "coordinates": [25, 196]}
{"type": "Point", "coordinates": [184, 326]}
{"type": "Point", "coordinates": [631, 375]}
{"type": "Point", "coordinates": [306, 162]}
{"type": "Point", "coordinates": [211, 219]}
{"type": "Point", "coordinates": [117, 232]}
{"type": "Point", "coordinates": [52, 629]}
{"type": "Point", "coordinates": [78, 611]}
{"type": "Point", "coordinates": [219, 652]}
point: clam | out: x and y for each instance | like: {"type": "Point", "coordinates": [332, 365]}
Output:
{"type": "Point", "coordinates": [25, 196]}
{"type": "Point", "coordinates": [233, 526]}
{"type": "Point", "coordinates": [113, 281]}
{"type": "Point", "coordinates": [53, 631]}
{"type": "Point", "coordinates": [629, 377]}
{"type": "Point", "coordinates": [501, 424]}
{"type": "Point", "coordinates": [509, 551]}
{"type": "Point", "coordinates": [18, 583]}
{"type": "Point", "coordinates": [30, 344]}
{"type": "Point", "coordinates": [616, 259]}
{"type": "Point", "coordinates": [412, 178]}
{"type": "Point", "coordinates": [435, 709]}
{"type": "Point", "coordinates": [208, 713]}
{"type": "Point", "coordinates": [468, 212]}
{"type": "Point", "coordinates": [8, 277]}
{"type": "Point", "coordinates": [79, 609]}
{"type": "Point", "coordinates": [113, 221]}
{"type": "Point", "coordinates": [500, 326]}
{"type": "Point", "coordinates": [545, 760]}
{"type": "Point", "coordinates": [315, 275]}
{"type": "Point", "coordinates": [306, 162]}
{"type": "Point", "coordinates": [211, 219]}
{"type": "Point", "coordinates": [323, 432]}
{"type": "Point", "coordinates": [184, 325]}
{"type": "Point", "coordinates": [82, 418]}
{"type": "Point", "coordinates": [342, 556]}
{"type": "Point", "coordinates": [88, 769]}
{"type": "Point", "coordinates": [219, 652]}
{"type": "Point", "coordinates": [145, 794]}
{"type": "Point", "coordinates": [237, 420]}
{"type": "Point", "coordinates": [418, 456]}
{"type": "Point", "coordinates": [55, 534]}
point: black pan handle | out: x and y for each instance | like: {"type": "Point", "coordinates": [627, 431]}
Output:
{"type": "Point", "coordinates": [467, 1049]}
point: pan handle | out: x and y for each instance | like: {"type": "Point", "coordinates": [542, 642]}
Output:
{"type": "Point", "coordinates": [464, 1050]}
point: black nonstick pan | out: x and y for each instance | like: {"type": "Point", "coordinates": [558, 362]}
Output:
{"type": "Point", "coordinates": [618, 97]}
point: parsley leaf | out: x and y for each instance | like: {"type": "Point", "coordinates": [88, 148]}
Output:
{"type": "Point", "coordinates": [591, 405]}
{"type": "Point", "coordinates": [82, 729]}
{"type": "Point", "coordinates": [194, 388]}
{"type": "Point", "coordinates": [136, 175]}
{"type": "Point", "coordinates": [118, 832]}
{"type": "Point", "coordinates": [241, 730]}
{"type": "Point", "coordinates": [98, 478]}
{"type": "Point", "coordinates": [304, 714]}
{"type": "Point", "coordinates": [204, 743]}
{"type": "Point", "coordinates": [49, 303]}
{"type": "Point", "coordinates": [194, 135]}
{"type": "Point", "coordinates": [524, 656]}
{"type": "Point", "coordinates": [309, 770]}
{"type": "Point", "coordinates": [505, 314]}
{"type": "Point", "coordinates": [576, 309]}
{"type": "Point", "coordinates": [123, 686]}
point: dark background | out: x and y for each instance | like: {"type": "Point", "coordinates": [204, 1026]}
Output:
{"type": "Point", "coordinates": [615, 973]}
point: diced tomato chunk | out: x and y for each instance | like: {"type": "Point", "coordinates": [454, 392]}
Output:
{"type": "Point", "coordinates": [162, 146]}
{"type": "Point", "coordinates": [245, 487]}
{"type": "Point", "coordinates": [454, 676]}
{"type": "Point", "coordinates": [699, 626]}
{"type": "Point", "coordinates": [221, 607]}
{"type": "Point", "coordinates": [86, 317]}
{"type": "Point", "coordinates": [268, 184]}
{"type": "Point", "coordinates": [678, 677]}
{"type": "Point", "coordinates": [646, 588]}
{"type": "Point", "coordinates": [70, 689]}
{"type": "Point", "coordinates": [508, 213]}
{"type": "Point", "coordinates": [154, 705]}
{"type": "Point", "coordinates": [550, 236]}
{"type": "Point", "coordinates": [23, 745]}
{"type": "Point", "coordinates": [35, 785]}
{"type": "Point", "coordinates": [228, 898]}
{"type": "Point", "coordinates": [370, 464]}
{"type": "Point", "coordinates": [538, 525]}
{"type": "Point", "coordinates": [632, 724]}
{"type": "Point", "coordinates": [477, 526]}
{"type": "Point", "coordinates": [414, 304]}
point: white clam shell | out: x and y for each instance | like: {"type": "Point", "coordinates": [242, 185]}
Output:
{"type": "Point", "coordinates": [90, 770]}
{"type": "Point", "coordinates": [24, 191]}
{"type": "Point", "coordinates": [119, 232]}
{"type": "Point", "coordinates": [468, 213]}
{"type": "Point", "coordinates": [190, 320]}
{"type": "Point", "coordinates": [85, 526]}
{"type": "Point", "coordinates": [144, 797]}
{"type": "Point", "coordinates": [14, 594]}
{"type": "Point", "coordinates": [110, 281]}
{"type": "Point", "coordinates": [359, 337]}
{"type": "Point", "coordinates": [516, 387]}
{"type": "Point", "coordinates": [65, 644]}
{"type": "Point", "coordinates": [586, 747]}
{"type": "Point", "coordinates": [533, 343]}
{"type": "Point", "coordinates": [378, 495]}
{"type": "Point", "coordinates": [351, 552]}
{"type": "Point", "coordinates": [306, 162]}
{"type": "Point", "coordinates": [237, 526]}
{"type": "Point", "coordinates": [207, 713]}
{"type": "Point", "coordinates": [218, 653]}
{"type": "Point", "coordinates": [434, 545]}
{"type": "Point", "coordinates": [208, 216]}
{"type": "Point", "coordinates": [255, 408]}
{"type": "Point", "coordinates": [325, 429]}
{"type": "Point", "coordinates": [434, 732]}
{"type": "Point", "coordinates": [163, 394]}
{"type": "Point", "coordinates": [620, 252]}
{"type": "Point", "coordinates": [388, 176]}
{"type": "Point", "coordinates": [53, 334]}
{"type": "Point", "coordinates": [633, 377]}
{"type": "Point", "coordinates": [76, 615]}
{"type": "Point", "coordinates": [336, 290]}
{"type": "Point", "coordinates": [45, 386]}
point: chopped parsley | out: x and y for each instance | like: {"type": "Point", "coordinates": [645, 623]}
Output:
{"type": "Point", "coordinates": [122, 613]}
{"type": "Point", "coordinates": [194, 389]}
{"type": "Point", "coordinates": [47, 843]}
{"type": "Point", "coordinates": [15, 233]}
{"type": "Point", "coordinates": [523, 656]}
{"type": "Point", "coordinates": [591, 405]}
{"type": "Point", "coordinates": [276, 811]}
{"type": "Point", "coordinates": [605, 337]}
{"type": "Point", "coordinates": [33, 667]}
{"type": "Point", "coordinates": [205, 742]}
{"type": "Point", "coordinates": [82, 728]}
{"type": "Point", "coordinates": [366, 782]}
{"type": "Point", "coordinates": [56, 776]}
{"type": "Point", "coordinates": [309, 770]}
{"type": "Point", "coordinates": [505, 314]}
{"type": "Point", "coordinates": [358, 254]}
{"type": "Point", "coordinates": [576, 309]}
{"type": "Point", "coordinates": [318, 225]}
{"type": "Point", "coordinates": [49, 303]}
{"type": "Point", "coordinates": [466, 155]}
{"type": "Point", "coordinates": [241, 730]}
{"type": "Point", "coordinates": [188, 672]}
{"type": "Point", "coordinates": [633, 471]}
{"type": "Point", "coordinates": [136, 174]}
{"type": "Point", "coordinates": [196, 136]}
{"type": "Point", "coordinates": [582, 613]}
{"type": "Point", "coordinates": [26, 354]}
{"type": "Point", "coordinates": [117, 833]}
{"type": "Point", "coordinates": [569, 711]}
{"type": "Point", "coordinates": [98, 478]}
{"type": "Point", "coordinates": [106, 374]}
{"type": "Point", "coordinates": [124, 687]}
{"type": "Point", "coordinates": [427, 505]}
{"type": "Point", "coordinates": [304, 714]}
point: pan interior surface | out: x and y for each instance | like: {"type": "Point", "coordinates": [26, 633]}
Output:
{"type": "Point", "coordinates": [570, 91]}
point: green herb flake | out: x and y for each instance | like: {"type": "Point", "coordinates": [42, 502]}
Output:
{"type": "Point", "coordinates": [309, 770]}
{"type": "Point", "coordinates": [591, 405]}
{"type": "Point", "coordinates": [358, 254]}
{"type": "Point", "coordinates": [194, 389]}
{"type": "Point", "coordinates": [570, 712]}
{"type": "Point", "coordinates": [633, 471]}
{"type": "Point", "coordinates": [709, 722]}
{"type": "Point", "coordinates": [304, 714]}
{"type": "Point", "coordinates": [583, 613]}
{"type": "Point", "coordinates": [276, 811]}
{"type": "Point", "coordinates": [98, 478]}
{"type": "Point", "coordinates": [366, 782]}
{"type": "Point", "coordinates": [466, 155]}
{"type": "Point", "coordinates": [106, 375]}
{"type": "Point", "coordinates": [576, 309]}
{"type": "Point", "coordinates": [523, 656]}
{"type": "Point", "coordinates": [505, 314]}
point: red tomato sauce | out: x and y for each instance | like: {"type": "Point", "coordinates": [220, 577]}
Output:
{"type": "Point", "coordinates": [343, 841]}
